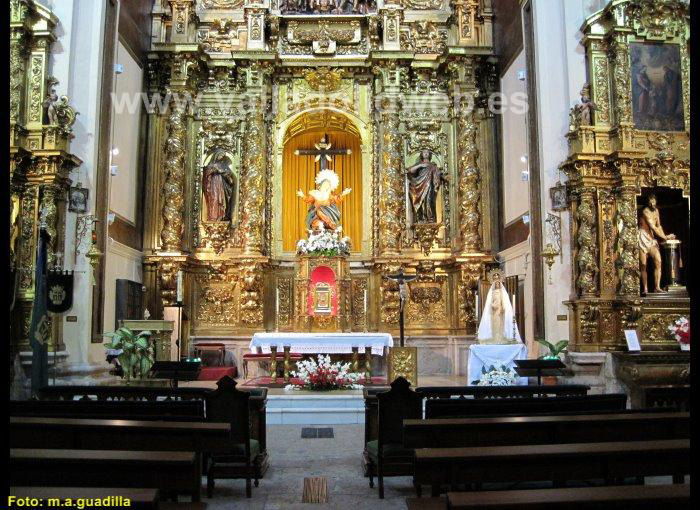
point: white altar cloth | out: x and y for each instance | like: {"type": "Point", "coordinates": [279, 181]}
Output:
{"type": "Point", "coordinates": [485, 355]}
{"type": "Point", "coordinates": [322, 343]}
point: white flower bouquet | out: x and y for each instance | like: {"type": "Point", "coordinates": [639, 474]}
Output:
{"type": "Point", "coordinates": [502, 376]}
{"type": "Point", "coordinates": [327, 243]}
{"type": "Point", "coordinates": [680, 330]}
{"type": "Point", "coordinates": [324, 375]}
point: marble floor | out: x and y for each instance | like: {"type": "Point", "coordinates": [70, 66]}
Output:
{"type": "Point", "coordinates": [339, 460]}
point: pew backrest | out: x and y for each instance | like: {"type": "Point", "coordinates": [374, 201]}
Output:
{"type": "Point", "coordinates": [515, 391]}
{"type": "Point", "coordinates": [465, 408]}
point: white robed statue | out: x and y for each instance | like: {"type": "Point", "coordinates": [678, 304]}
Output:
{"type": "Point", "coordinates": [497, 324]}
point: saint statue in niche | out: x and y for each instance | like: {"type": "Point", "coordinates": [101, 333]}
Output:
{"type": "Point", "coordinates": [424, 180]}
{"type": "Point", "coordinates": [219, 185]}
{"type": "Point", "coordinates": [649, 227]}
{"type": "Point", "coordinates": [497, 325]}
{"type": "Point", "coordinates": [323, 203]}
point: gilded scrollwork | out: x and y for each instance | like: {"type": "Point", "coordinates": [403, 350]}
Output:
{"type": "Point", "coordinates": [173, 175]}
{"type": "Point", "coordinates": [619, 55]}
{"type": "Point", "coordinates": [389, 293]}
{"type": "Point", "coordinates": [251, 297]}
{"type": "Point", "coordinates": [587, 244]}
{"type": "Point", "coordinates": [390, 180]}
{"type": "Point", "coordinates": [469, 178]}
{"type": "Point", "coordinates": [253, 182]}
{"type": "Point", "coordinates": [628, 245]}
{"type": "Point", "coordinates": [609, 240]}
{"type": "Point", "coordinates": [285, 309]}
{"type": "Point", "coordinates": [654, 327]}
{"type": "Point", "coordinates": [359, 304]}
{"type": "Point", "coordinates": [425, 37]}
{"type": "Point", "coordinates": [602, 94]}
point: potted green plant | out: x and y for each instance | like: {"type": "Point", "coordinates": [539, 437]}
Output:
{"type": "Point", "coordinates": [554, 352]}
{"type": "Point", "coordinates": [554, 349]}
{"type": "Point", "coordinates": [137, 354]}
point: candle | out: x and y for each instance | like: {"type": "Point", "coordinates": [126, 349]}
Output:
{"type": "Point", "coordinates": [477, 314]}
{"type": "Point", "coordinates": [180, 287]}
{"type": "Point", "coordinates": [513, 300]}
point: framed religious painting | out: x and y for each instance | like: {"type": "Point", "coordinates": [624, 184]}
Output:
{"type": "Point", "coordinates": [657, 95]}
{"type": "Point", "coordinates": [78, 199]}
{"type": "Point", "coordinates": [558, 196]}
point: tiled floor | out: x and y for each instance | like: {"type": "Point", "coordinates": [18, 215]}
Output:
{"type": "Point", "coordinates": [292, 458]}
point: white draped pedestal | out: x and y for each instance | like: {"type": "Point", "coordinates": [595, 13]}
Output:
{"type": "Point", "coordinates": [485, 355]}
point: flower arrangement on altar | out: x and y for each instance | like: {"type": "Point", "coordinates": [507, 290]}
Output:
{"type": "Point", "coordinates": [323, 375]}
{"type": "Point", "coordinates": [681, 332]}
{"type": "Point", "coordinates": [324, 242]}
{"type": "Point", "coordinates": [502, 376]}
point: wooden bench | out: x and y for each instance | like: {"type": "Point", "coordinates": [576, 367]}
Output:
{"type": "Point", "coordinates": [108, 394]}
{"type": "Point", "coordinates": [645, 497]}
{"type": "Point", "coordinates": [466, 392]}
{"type": "Point", "coordinates": [167, 471]}
{"type": "Point", "coordinates": [172, 410]}
{"type": "Point", "coordinates": [139, 499]}
{"type": "Point", "coordinates": [99, 434]}
{"type": "Point", "coordinates": [520, 430]}
{"type": "Point", "coordinates": [553, 462]}
{"type": "Point", "coordinates": [516, 391]}
{"type": "Point", "coordinates": [465, 408]}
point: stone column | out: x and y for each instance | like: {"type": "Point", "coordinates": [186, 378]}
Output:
{"type": "Point", "coordinates": [390, 180]}
{"type": "Point", "coordinates": [173, 172]}
{"type": "Point", "coordinates": [587, 244]}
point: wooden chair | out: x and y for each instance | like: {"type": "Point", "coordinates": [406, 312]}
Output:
{"type": "Point", "coordinates": [236, 458]}
{"type": "Point", "coordinates": [386, 455]}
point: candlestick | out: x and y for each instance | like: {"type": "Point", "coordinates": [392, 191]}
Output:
{"type": "Point", "coordinates": [180, 286]}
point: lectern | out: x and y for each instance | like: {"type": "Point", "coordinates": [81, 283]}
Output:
{"type": "Point", "coordinates": [161, 330]}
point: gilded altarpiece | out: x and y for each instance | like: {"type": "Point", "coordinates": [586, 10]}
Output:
{"type": "Point", "coordinates": [396, 79]}
{"type": "Point", "coordinates": [41, 125]}
{"type": "Point", "coordinates": [611, 159]}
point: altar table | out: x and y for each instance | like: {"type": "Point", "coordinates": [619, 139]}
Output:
{"type": "Point", "coordinates": [485, 355]}
{"type": "Point", "coordinates": [321, 343]}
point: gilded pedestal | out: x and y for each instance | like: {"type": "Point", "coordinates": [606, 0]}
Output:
{"type": "Point", "coordinates": [403, 362]}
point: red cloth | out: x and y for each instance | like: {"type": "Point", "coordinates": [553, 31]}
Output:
{"type": "Point", "coordinates": [216, 373]}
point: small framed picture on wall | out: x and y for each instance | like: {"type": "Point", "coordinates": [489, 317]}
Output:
{"type": "Point", "coordinates": [558, 195]}
{"type": "Point", "coordinates": [78, 199]}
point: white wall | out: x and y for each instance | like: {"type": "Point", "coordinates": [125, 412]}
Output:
{"type": "Point", "coordinates": [516, 199]}
{"type": "Point", "coordinates": [561, 72]}
{"type": "Point", "coordinates": [76, 62]}
{"type": "Point", "coordinates": [125, 136]}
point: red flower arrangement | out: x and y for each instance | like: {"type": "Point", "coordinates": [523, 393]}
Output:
{"type": "Point", "coordinates": [681, 331]}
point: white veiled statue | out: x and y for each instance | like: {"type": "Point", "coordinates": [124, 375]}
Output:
{"type": "Point", "coordinates": [497, 325]}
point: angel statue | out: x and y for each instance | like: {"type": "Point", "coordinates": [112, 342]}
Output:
{"type": "Point", "coordinates": [497, 324]}
{"type": "Point", "coordinates": [323, 203]}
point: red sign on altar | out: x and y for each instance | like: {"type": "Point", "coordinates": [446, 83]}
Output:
{"type": "Point", "coordinates": [322, 298]}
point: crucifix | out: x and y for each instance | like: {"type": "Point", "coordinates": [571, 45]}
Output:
{"type": "Point", "coordinates": [322, 152]}
{"type": "Point", "coordinates": [402, 279]}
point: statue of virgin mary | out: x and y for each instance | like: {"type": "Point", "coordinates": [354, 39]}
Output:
{"type": "Point", "coordinates": [497, 325]}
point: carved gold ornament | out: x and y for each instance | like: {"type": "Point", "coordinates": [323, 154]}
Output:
{"type": "Point", "coordinates": [323, 79]}
{"type": "Point", "coordinates": [403, 362]}
{"type": "Point", "coordinates": [222, 4]}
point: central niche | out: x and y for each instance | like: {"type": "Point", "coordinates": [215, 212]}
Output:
{"type": "Point", "coordinates": [299, 172]}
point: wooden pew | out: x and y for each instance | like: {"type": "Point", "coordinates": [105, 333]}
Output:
{"type": "Point", "coordinates": [644, 497]}
{"type": "Point", "coordinates": [520, 430]}
{"type": "Point", "coordinates": [465, 408]}
{"type": "Point", "coordinates": [554, 462]}
{"type": "Point", "coordinates": [93, 434]}
{"type": "Point", "coordinates": [166, 471]}
{"type": "Point", "coordinates": [139, 499]}
{"type": "Point", "coordinates": [172, 410]}
{"type": "Point", "coordinates": [109, 394]}
{"type": "Point", "coordinates": [466, 392]}
{"type": "Point", "coordinates": [557, 390]}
